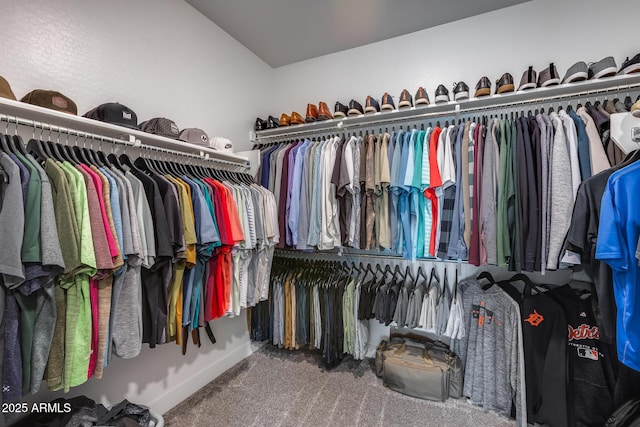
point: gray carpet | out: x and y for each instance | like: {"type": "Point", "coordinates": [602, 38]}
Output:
{"type": "Point", "coordinates": [276, 387]}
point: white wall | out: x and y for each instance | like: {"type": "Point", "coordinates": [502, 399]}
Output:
{"type": "Point", "coordinates": [507, 40]}
{"type": "Point", "coordinates": [160, 58]}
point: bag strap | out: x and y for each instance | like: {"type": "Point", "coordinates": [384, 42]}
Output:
{"type": "Point", "coordinates": [425, 353]}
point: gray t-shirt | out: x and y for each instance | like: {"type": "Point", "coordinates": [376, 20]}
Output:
{"type": "Point", "coordinates": [11, 225]}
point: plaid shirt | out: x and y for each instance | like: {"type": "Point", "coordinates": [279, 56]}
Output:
{"type": "Point", "coordinates": [448, 204]}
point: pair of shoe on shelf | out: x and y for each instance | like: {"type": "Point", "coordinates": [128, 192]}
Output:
{"type": "Point", "coordinates": [319, 113]}
{"type": "Point", "coordinates": [579, 71]}
{"type": "Point", "coordinates": [372, 105]}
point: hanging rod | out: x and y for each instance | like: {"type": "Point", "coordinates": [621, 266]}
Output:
{"type": "Point", "coordinates": [60, 129]}
{"type": "Point", "coordinates": [206, 157]}
{"type": "Point", "coordinates": [116, 141]}
{"type": "Point", "coordinates": [339, 255]}
{"type": "Point", "coordinates": [454, 108]}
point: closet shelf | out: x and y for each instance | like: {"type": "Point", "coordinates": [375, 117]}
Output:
{"type": "Point", "coordinates": [45, 118]}
{"type": "Point", "coordinates": [547, 94]}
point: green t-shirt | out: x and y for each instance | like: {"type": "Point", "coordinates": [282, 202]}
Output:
{"type": "Point", "coordinates": [78, 315]}
{"type": "Point", "coordinates": [70, 246]}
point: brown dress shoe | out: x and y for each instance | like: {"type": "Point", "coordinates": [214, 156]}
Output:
{"type": "Point", "coordinates": [323, 112]}
{"type": "Point", "coordinates": [296, 119]}
{"type": "Point", "coordinates": [312, 113]}
{"type": "Point", "coordinates": [483, 88]}
{"type": "Point", "coordinates": [284, 120]}
{"type": "Point", "coordinates": [505, 84]}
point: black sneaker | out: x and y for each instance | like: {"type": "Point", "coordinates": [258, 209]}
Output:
{"type": "Point", "coordinates": [528, 80]}
{"type": "Point", "coordinates": [422, 98]}
{"type": "Point", "coordinates": [260, 124]}
{"type": "Point", "coordinates": [371, 106]}
{"type": "Point", "coordinates": [442, 94]}
{"type": "Point", "coordinates": [549, 76]}
{"type": "Point", "coordinates": [405, 100]}
{"type": "Point", "coordinates": [630, 66]}
{"type": "Point", "coordinates": [272, 122]}
{"type": "Point", "coordinates": [460, 91]}
{"type": "Point", "coordinates": [387, 103]}
{"type": "Point", "coordinates": [355, 109]}
{"type": "Point", "coordinates": [483, 88]}
{"type": "Point", "coordinates": [340, 111]}
{"type": "Point", "coordinates": [606, 67]}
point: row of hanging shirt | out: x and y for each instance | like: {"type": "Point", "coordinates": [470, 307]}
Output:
{"type": "Point", "coordinates": [420, 302]}
{"type": "Point", "coordinates": [327, 306]}
{"type": "Point", "coordinates": [488, 190]}
{"type": "Point", "coordinates": [316, 306]}
{"type": "Point", "coordinates": [102, 254]}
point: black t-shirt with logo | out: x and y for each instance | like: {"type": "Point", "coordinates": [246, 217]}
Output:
{"type": "Point", "coordinates": [590, 361]}
{"type": "Point", "coordinates": [582, 238]}
{"type": "Point", "coordinates": [544, 328]}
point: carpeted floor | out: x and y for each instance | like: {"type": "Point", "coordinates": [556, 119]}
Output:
{"type": "Point", "coordinates": [275, 387]}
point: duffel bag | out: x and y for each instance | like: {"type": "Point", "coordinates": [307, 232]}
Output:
{"type": "Point", "coordinates": [410, 370]}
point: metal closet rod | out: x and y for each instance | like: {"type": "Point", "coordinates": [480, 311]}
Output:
{"type": "Point", "coordinates": [59, 129]}
{"type": "Point", "coordinates": [343, 126]}
{"type": "Point", "coordinates": [153, 148]}
{"type": "Point", "coordinates": [101, 138]}
{"type": "Point", "coordinates": [346, 256]}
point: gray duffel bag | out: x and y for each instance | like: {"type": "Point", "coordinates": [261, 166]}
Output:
{"type": "Point", "coordinates": [420, 367]}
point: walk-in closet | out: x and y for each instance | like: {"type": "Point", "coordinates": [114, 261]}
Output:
{"type": "Point", "coordinates": [317, 213]}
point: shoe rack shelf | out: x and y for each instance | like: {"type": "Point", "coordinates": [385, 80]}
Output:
{"type": "Point", "coordinates": [45, 120]}
{"type": "Point", "coordinates": [456, 108]}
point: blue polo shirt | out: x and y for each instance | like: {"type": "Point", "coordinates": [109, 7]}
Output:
{"type": "Point", "coordinates": [618, 234]}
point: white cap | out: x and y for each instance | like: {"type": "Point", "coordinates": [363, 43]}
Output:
{"type": "Point", "coordinates": [221, 144]}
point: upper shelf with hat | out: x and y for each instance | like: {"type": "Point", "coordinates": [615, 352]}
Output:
{"type": "Point", "coordinates": [111, 120]}
{"type": "Point", "coordinates": [460, 106]}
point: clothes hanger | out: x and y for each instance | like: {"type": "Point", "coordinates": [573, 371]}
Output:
{"type": "Point", "coordinates": [397, 272]}
{"type": "Point", "coordinates": [489, 277]}
{"type": "Point", "coordinates": [68, 152]}
{"type": "Point", "coordinates": [114, 161]}
{"type": "Point", "coordinates": [528, 283]}
{"type": "Point", "coordinates": [17, 142]}
{"type": "Point", "coordinates": [5, 141]}
{"type": "Point", "coordinates": [409, 274]}
{"type": "Point", "coordinates": [4, 145]}
{"type": "Point", "coordinates": [52, 150]}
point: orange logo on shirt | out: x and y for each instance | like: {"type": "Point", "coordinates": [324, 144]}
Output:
{"type": "Point", "coordinates": [534, 318]}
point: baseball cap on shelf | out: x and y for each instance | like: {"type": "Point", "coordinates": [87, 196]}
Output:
{"type": "Point", "coordinates": [114, 113]}
{"type": "Point", "coordinates": [52, 100]}
{"type": "Point", "coordinates": [161, 126]}
{"type": "Point", "coordinates": [221, 144]}
{"type": "Point", "coordinates": [195, 136]}
{"type": "Point", "coordinates": [5, 89]}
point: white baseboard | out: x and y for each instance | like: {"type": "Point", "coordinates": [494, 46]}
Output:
{"type": "Point", "coordinates": [170, 398]}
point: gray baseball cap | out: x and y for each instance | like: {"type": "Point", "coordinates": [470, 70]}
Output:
{"type": "Point", "coordinates": [195, 136]}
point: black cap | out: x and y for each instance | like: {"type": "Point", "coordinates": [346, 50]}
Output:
{"type": "Point", "coordinates": [161, 126]}
{"type": "Point", "coordinates": [114, 113]}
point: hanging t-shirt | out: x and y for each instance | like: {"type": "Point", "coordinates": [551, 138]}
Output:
{"type": "Point", "coordinates": [618, 235]}
{"type": "Point", "coordinates": [590, 362]}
